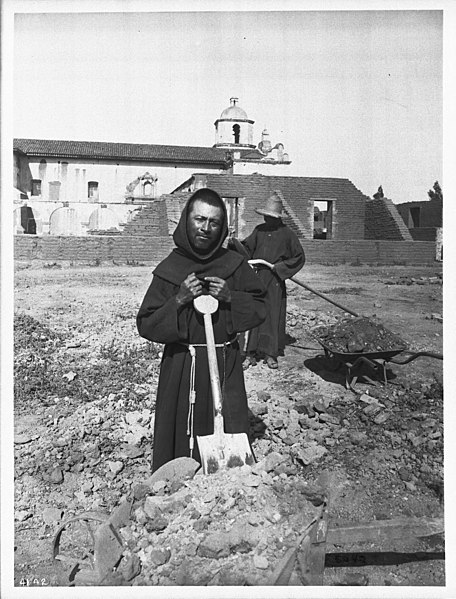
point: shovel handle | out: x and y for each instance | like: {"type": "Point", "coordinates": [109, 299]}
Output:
{"type": "Point", "coordinates": [301, 284]}
{"type": "Point", "coordinates": [213, 373]}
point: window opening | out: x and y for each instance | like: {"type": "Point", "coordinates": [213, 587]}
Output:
{"type": "Point", "coordinates": [415, 217]}
{"type": "Point", "coordinates": [322, 219]}
{"type": "Point", "coordinates": [28, 221]}
{"type": "Point", "coordinates": [36, 187]}
{"type": "Point", "coordinates": [236, 132]}
{"type": "Point", "coordinates": [93, 190]}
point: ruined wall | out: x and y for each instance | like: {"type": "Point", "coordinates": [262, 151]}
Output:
{"type": "Point", "coordinates": [150, 220]}
{"type": "Point", "coordinates": [383, 221]}
{"type": "Point", "coordinates": [430, 213]}
{"type": "Point", "coordinates": [122, 248]}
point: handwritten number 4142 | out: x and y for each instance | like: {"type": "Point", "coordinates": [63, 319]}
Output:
{"type": "Point", "coordinates": [33, 582]}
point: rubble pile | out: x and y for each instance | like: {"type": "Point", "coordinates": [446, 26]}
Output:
{"type": "Point", "coordinates": [92, 438]}
{"type": "Point", "coordinates": [229, 528]}
{"type": "Point", "coordinates": [407, 280]}
{"type": "Point", "coordinates": [359, 335]}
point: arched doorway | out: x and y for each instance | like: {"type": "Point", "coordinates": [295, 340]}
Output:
{"type": "Point", "coordinates": [64, 221]}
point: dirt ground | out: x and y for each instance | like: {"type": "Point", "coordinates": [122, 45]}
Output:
{"type": "Point", "coordinates": [80, 365]}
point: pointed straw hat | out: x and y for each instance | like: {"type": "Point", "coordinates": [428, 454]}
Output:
{"type": "Point", "coordinates": [273, 206]}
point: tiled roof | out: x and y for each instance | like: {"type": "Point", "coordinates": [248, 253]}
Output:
{"type": "Point", "coordinates": [121, 151]}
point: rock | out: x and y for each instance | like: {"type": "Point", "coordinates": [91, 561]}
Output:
{"type": "Point", "coordinates": [140, 491]}
{"type": "Point", "coordinates": [214, 546]}
{"type": "Point", "coordinates": [404, 474]}
{"type": "Point", "coordinates": [258, 408]}
{"type": "Point", "coordinates": [131, 568]}
{"type": "Point", "coordinates": [263, 395]}
{"type": "Point", "coordinates": [250, 481]}
{"type": "Point", "coordinates": [23, 438]}
{"type": "Point", "coordinates": [271, 461]}
{"type": "Point", "coordinates": [158, 486]}
{"type": "Point", "coordinates": [22, 515]}
{"type": "Point", "coordinates": [310, 453]}
{"type": "Point", "coordinates": [313, 493]}
{"type": "Point", "coordinates": [260, 562]}
{"type": "Point", "coordinates": [329, 418]}
{"type": "Point", "coordinates": [354, 579]}
{"type": "Point", "coordinates": [158, 557]}
{"type": "Point", "coordinates": [319, 406]}
{"type": "Point", "coordinates": [56, 476]}
{"type": "Point", "coordinates": [87, 487]}
{"type": "Point", "coordinates": [116, 467]}
{"type": "Point", "coordinates": [243, 536]}
{"type": "Point", "coordinates": [357, 437]}
{"type": "Point", "coordinates": [156, 524]}
{"type": "Point", "coordinates": [52, 514]}
{"type": "Point", "coordinates": [132, 452]}
{"type": "Point", "coordinates": [177, 470]}
{"type": "Point", "coordinates": [381, 418]}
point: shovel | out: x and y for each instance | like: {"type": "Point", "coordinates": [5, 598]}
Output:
{"type": "Point", "coordinates": [301, 284]}
{"type": "Point", "coordinates": [220, 450]}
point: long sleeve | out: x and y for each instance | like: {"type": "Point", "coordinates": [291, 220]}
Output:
{"type": "Point", "coordinates": [295, 259]}
{"type": "Point", "coordinates": [159, 318]}
{"type": "Point", "coordinates": [250, 242]}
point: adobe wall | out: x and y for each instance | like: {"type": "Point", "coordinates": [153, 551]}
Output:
{"type": "Point", "coordinates": [383, 221]}
{"type": "Point", "coordinates": [123, 248]}
{"type": "Point", "coordinates": [430, 213]}
{"type": "Point", "coordinates": [424, 233]}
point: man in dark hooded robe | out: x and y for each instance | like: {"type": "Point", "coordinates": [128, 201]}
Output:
{"type": "Point", "coordinates": [274, 242]}
{"type": "Point", "coordinates": [199, 264]}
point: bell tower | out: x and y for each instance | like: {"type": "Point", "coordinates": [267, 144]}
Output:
{"type": "Point", "coordinates": [234, 130]}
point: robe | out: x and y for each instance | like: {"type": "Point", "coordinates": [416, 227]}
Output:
{"type": "Point", "coordinates": [161, 320]}
{"type": "Point", "coordinates": [277, 244]}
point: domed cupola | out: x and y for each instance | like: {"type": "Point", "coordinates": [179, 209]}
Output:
{"type": "Point", "coordinates": [234, 129]}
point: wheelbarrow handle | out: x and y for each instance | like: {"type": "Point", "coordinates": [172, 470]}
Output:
{"type": "Point", "coordinates": [301, 284]}
{"type": "Point", "coordinates": [419, 354]}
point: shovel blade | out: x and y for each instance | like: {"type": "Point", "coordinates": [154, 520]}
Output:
{"type": "Point", "coordinates": [224, 450]}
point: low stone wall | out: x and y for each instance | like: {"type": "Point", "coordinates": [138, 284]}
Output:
{"type": "Point", "coordinates": [424, 233]}
{"type": "Point", "coordinates": [122, 248]}
{"type": "Point", "coordinates": [119, 248]}
{"type": "Point", "coordinates": [368, 252]}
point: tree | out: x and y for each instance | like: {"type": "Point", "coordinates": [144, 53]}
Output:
{"type": "Point", "coordinates": [436, 192]}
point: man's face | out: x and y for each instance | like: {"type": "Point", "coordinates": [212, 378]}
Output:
{"type": "Point", "coordinates": [204, 225]}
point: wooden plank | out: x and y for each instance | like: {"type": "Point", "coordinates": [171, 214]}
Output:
{"type": "Point", "coordinates": [317, 553]}
{"type": "Point", "coordinates": [342, 532]}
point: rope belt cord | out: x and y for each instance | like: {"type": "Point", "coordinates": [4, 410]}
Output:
{"type": "Point", "coordinates": [192, 391]}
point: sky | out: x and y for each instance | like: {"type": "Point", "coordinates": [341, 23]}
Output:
{"type": "Point", "coordinates": [354, 93]}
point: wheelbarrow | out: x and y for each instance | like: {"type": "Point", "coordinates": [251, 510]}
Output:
{"type": "Point", "coordinates": [377, 362]}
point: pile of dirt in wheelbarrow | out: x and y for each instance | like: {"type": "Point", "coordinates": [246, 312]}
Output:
{"type": "Point", "coordinates": [358, 335]}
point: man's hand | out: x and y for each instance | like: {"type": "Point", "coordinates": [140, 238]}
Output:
{"type": "Point", "coordinates": [218, 288]}
{"type": "Point", "coordinates": [190, 288]}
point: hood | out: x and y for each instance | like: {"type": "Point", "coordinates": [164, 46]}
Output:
{"type": "Point", "coordinates": [184, 260]}
{"type": "Point", "coordinates": [180, 235]}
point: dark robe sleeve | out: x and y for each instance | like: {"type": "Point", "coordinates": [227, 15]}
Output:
{"type": "Point", "coordinates": [250, 242]}
{"type": "Point", "coordinates": [289, 266]}
{"type": "Point", "coordinates": [159, 318]}
{"type": "Point", "coordinates": [248, 308]}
